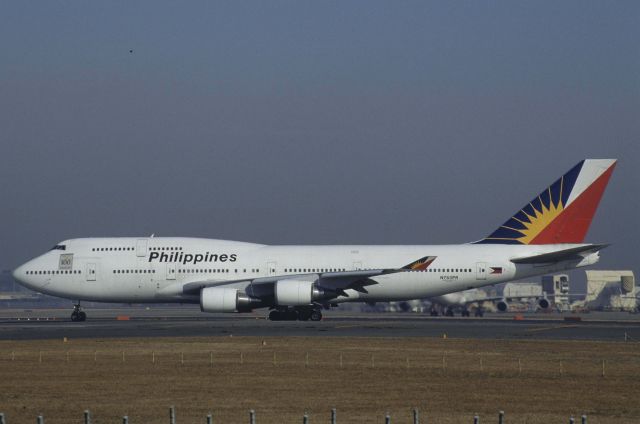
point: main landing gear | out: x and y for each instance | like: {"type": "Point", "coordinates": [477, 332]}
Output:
{"type": "Point", "coordinates": [77, 314]}
{"type": "Point", "coordinates": [296, 314]}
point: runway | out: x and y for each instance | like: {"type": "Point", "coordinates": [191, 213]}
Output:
{"type": "Point", "coordinates": [190, 322]}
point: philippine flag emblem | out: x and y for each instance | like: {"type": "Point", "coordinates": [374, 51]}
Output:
{"type": "Point", "coordinates": [496, 270]}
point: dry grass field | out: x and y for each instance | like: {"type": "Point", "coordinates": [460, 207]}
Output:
{"type": "Point", "coordinates": [281, 378]}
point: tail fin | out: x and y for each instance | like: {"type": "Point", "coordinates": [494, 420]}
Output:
{"type": "Point", "coordinates": [562, 213]}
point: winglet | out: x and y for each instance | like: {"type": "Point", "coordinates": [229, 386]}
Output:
{"type": "Point", "coordinates": [562, 213]}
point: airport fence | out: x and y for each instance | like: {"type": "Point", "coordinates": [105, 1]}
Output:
{"type": "Point", "coordinates": [446, 362]}
{"type": "Point", "coordinates": [209, 419]}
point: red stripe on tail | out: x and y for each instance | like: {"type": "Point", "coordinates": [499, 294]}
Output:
{"type": "Point", "coordinates": [572, 224]}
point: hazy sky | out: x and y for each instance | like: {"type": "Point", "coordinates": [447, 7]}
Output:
{"type": "Point", "coordinates": [311, 122]}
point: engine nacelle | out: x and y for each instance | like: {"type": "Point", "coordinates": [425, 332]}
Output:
{"type": "Point", "coordinates": [544, 303]}
{"type": "Point", "coordinates": [296, 292]}
{"type": "Point", "coordinates": [502, 306]}
{"type": "Point", "coordinates": [223, 299]}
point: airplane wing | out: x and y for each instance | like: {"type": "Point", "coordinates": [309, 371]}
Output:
{"type": "Point", "coordinates": [335, 281]}
{"type": "Point", "coordinates": [559, 255]}
{"type": "Point", "coordinates": [325, 277]}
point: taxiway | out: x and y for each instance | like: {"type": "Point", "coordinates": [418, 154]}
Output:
{"type": "Point", "coordinates": [190, 322]}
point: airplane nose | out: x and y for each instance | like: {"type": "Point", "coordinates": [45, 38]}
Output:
{"type": "Point", "coordinates": [19, 274]}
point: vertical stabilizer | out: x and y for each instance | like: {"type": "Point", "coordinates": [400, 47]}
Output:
{"type": "Point", "coordinates": [563, 212]}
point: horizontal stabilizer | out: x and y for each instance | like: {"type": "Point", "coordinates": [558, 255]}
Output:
{"type": "Point", "coordinates": [559, 255]}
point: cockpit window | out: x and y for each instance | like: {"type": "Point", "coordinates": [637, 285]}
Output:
{"type": "Point", "coordinates": [59, 247]}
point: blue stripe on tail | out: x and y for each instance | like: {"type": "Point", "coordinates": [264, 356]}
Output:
{"type": "Point", "coordinates": [554, 195]}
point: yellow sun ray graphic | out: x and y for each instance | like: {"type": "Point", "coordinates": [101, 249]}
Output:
{"type": "Point", "coordinates": [539, 220]}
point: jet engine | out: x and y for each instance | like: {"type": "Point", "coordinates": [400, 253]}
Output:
{"type": "Point", "coordinates": [224, 299]}
{"type": "Point", "coordinates": [296, 292]}
{"type": "Point", "coordinates": [544, 303]}
{"type": "Point", "coordinates": [502, 305]}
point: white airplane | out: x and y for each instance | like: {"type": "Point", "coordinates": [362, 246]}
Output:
{"type": "Point", "coordinates": [448, 303]}
{"type": "Point", "coordinates": [296, 282]}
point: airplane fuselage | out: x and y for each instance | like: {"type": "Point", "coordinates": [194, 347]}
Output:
{"type": "Point", "coordinates": [157, 269]}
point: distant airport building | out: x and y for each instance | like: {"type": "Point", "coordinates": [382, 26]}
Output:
{"type": "Point", "coordinates": [557, 289]}
{"type": "Point", "coordinates": [611, 291]}
{"type": "Point", "coordinates": [522, 290]}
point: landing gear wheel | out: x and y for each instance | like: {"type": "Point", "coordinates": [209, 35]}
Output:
{"type": "Point", "coordinates": [449, 313]}
{"type": "Point", "coordinates": [274, 315]}
{"type": "Point", "coordinates": [479, 312]}
{"type": "Point", "coordinates": [283, 315]}
{"type": "Point", "coordinates": [466, 313]}
{"type": "Point", "coordinates": [77, 314]}
{"type": "Point", "coordinates": [304, 315]}
{"type": "Point", "coordinates": [316, 315]}
{"type": "Point", "coordinates": [434, 313]}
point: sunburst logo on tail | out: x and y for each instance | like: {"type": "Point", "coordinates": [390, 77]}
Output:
{"type": "Point", "coordinates": [561, 213]}
{"type": "Point", "coordinates": [538, 220]}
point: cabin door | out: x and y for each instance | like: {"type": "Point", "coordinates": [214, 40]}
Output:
{"type": "Point", "coordinates": [272, 269]}
{"type": "Point", "coordinates": [141, 248]}
{"type": "Point", "coordinates": [481, 270]}
{"type": "Point", "coordinates": [171, 271]}
{"type": "Point", "coordinates": [91, 272]}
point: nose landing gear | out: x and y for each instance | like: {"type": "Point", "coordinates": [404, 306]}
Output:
{"type": "Point", "coordinates": [78, 315]}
